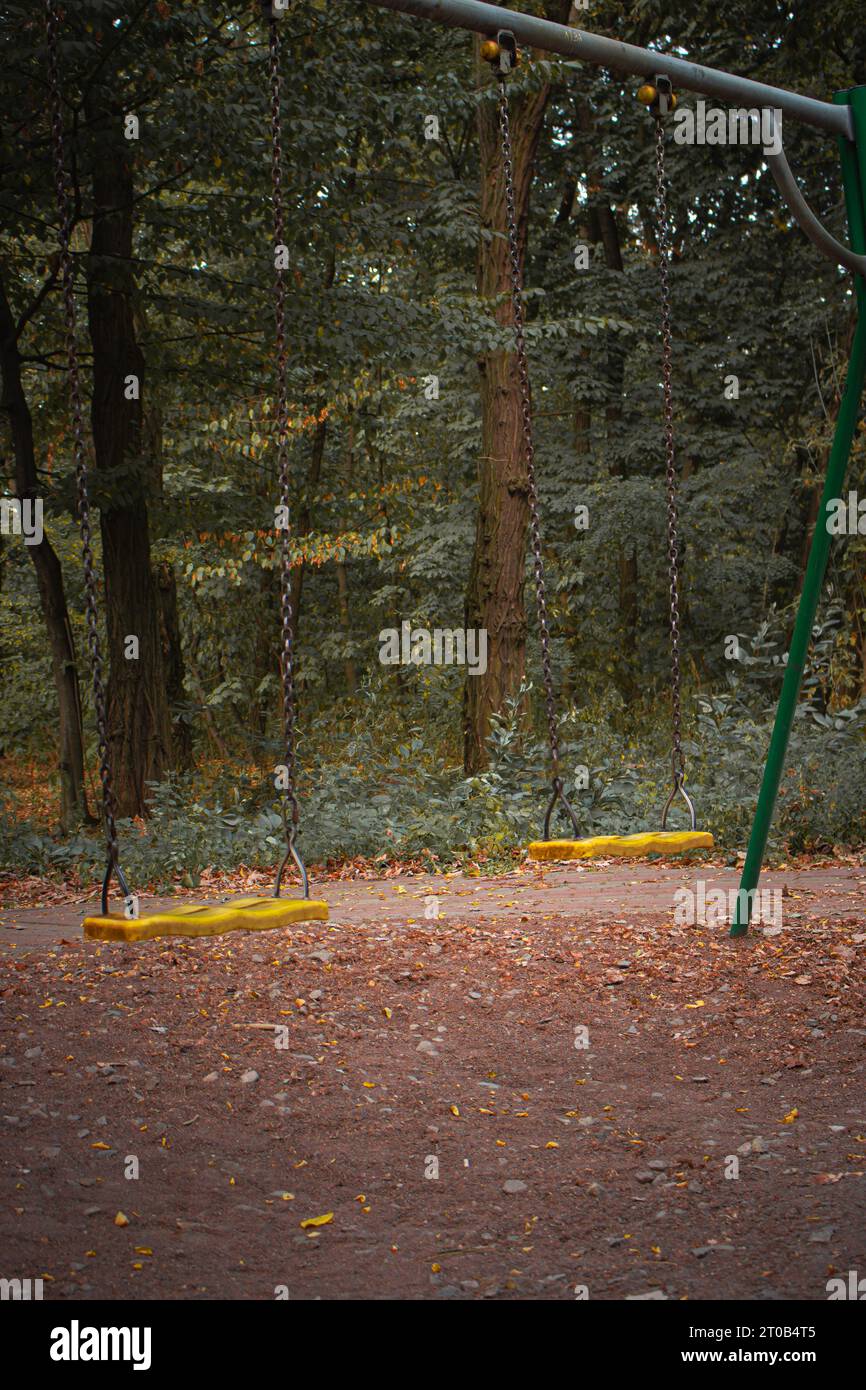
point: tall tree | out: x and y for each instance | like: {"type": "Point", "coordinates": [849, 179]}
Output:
{"type": "Point", "coordinates": [49, 574]}
{"type": "Point", "coordinates": [138, 710]}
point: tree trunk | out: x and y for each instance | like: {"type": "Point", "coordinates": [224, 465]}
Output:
{"type": "Point", "coordinates": [49, 579]}
{"type": "Point", "coordinates": [305, 516]}
{"type": "Point", "coordinates": [349, 668]}
{"type": "Point", "coordinates": [495, 592]}
{"type": "Point", "coordinates": [198, 684]}
{"type": "Point", "coordinates": [267, 629]}
{"type": "Point", "coordinates": [172, 656]}
{"type": "Point", "coordinates": [139, 720]}
{"type": "Point", "coordinates": [165, 580]}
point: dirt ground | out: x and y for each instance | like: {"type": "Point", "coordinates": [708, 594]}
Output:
{"type": "Point", "coordinates": [551, 1088]}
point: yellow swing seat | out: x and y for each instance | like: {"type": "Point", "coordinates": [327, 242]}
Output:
{"type": "Point", "coordinates": [196, 919]}
{"type": "Point", "coordinates": [621, 846]}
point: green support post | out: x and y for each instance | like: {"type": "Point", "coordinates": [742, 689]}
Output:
{"type": "Point", "coordinates": [854, 180]}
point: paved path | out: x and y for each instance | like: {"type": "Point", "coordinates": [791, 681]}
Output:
{"type": "Point", "coordinates": [618, 893]}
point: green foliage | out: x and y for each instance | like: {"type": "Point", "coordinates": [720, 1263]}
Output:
{"type": "Point", "coordinates": [386, 793]}
{"type": "Point", "coordinates": [382, 226]}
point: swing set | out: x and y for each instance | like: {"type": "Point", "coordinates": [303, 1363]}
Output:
{"type": "Point", "coordinates": [502, 30]}
{"type": "Point", "coordinates": [659, 97]}
{"type": "Point", "coordinates": [240, 914]}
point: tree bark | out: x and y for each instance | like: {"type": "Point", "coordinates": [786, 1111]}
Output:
{"type": "Point", "coordinates": [165, 580]}
{"type": "Point", "coordinates": [349, 668]}
{"type": "Point", "coordinates": [49, 579]}
{"type": "Point", "coordinates": [210, 722]}
{"type": "Point", "coordinates": [172, 656]}
{"type": "Point", "coordinates": [495, 591]}
{"type": "Point", "coordinates": [139, 720]}
{"type": "Point", "coordinates": [305, 516]}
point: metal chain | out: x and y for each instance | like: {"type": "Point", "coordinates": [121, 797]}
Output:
{"type": "Point", "coordinates": [664, 247]}
{"type": "Point", "coordinates": [526, 418]}
{"type": "Point", "coordinates": [65, 212]}
{"type": "Point", "coordinates": [287, 619]}
{"type": "Point", "coordinates": [529, 456]}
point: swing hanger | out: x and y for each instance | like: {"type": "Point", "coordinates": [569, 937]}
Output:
{"type": "Point", "coordinates": [501, 51]}
{"type": "Point", "coordinates": [658, 96]}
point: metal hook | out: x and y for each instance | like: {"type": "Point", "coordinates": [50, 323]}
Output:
{"type": "Point", "coordinates": [679, 789]}
{"type": "Point", "coordinates": [292, 853]}
{"type": "Point", "coordinates": [113, 867]}
{"type": "Point", "coordinates": [664, 95]}
{"type": "Point", "coordinates": [507, 51]}
{"type": "Point", "coordinates": [558, 794]}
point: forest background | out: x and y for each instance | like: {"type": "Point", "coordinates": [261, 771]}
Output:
{"type": "Point", "coordinates": [409, 497]}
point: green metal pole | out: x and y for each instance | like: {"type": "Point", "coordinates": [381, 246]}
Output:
{"type": "Point", "coordinates": [854, 180]}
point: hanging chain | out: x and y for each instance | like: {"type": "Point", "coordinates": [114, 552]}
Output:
{"type": "Point", "coordinates": [65, 212]}
{"type": "Point", "coordinates": [529, 454]}
{"type": "Point", "coordinates": [664, 240]}
{"type": "Point", "coordinates": [287, 634]}
{"type": "Point", "coordinates": [678, 762]}
{"type": "Point", "coordinates": [287, 616]}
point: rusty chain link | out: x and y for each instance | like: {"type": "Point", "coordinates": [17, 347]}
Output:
{"type": "Point", "coordinates": [282, 419]}
{"type": "Point", "coordinates": [66, 219]}
{"type": "Point", "coordinates": [678, 763]}
{"type": "Point", "coordinates": [529, 456]}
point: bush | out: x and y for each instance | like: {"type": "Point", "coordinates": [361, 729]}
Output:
{"type": "Point", "coordinates": [389, 791]}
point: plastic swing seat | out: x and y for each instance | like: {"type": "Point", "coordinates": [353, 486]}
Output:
{"type": "Point", "coordinates": [619, 846]}
{"type": "Point", "coordinates": [244, 914]}
{"type": "Point", "coordinates": [207, 919]}
{"type": "Point", "coordinates": [622, 846]}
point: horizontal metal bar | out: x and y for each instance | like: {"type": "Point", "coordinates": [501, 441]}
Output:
{"type": "Point", "coordinates": [626, 57]}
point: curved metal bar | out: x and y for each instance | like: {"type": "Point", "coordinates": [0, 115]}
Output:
{"type": "Point", "coordinates": [626, 57]}
{"type": "Point", "coordinates": [816, 232]}
{"type": "Point", "coordinates": [544, 34]}
{"type": "Point", "coordinates": [558, 794]}
{"type": "Point", "coordinates": [292, 853]}
{"type": "Point", "coordinates": [113, 867]}
{"type": "Point", "coordinates": [679, 790]}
